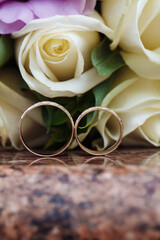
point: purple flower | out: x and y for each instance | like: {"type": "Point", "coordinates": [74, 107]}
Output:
{"type": "Point", "coordinates": [14, 15]}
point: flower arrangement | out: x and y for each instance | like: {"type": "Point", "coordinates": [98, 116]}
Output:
{"type": "Point", "coordinates": [82, 54]}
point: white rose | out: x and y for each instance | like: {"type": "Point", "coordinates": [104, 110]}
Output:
{"type": "Point", "coordinates": [13, 102]}
{"type": "Point", "coordinates": [137, 101]}
{"type": "Point", "coordinates": [135, 24]}
{"type": "Point", "coordinates": [54, 54]}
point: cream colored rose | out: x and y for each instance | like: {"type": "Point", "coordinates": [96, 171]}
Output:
{"type": "Point", "coordinates": [135, 24]}
{"type": "Point", "coordinates": [13, 102]}
{"type": "Point", "coordinates": [137, 101]}
{"type": "Point", "coordinates": [54, 54]}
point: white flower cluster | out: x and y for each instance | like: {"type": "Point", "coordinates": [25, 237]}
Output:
{"type": "Point", "coordinates": [54, 58]}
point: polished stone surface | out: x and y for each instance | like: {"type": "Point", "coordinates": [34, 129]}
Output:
{"type": "Point", "coordinates": [79, 197]}
{"type": "Point", "coordinates": [122, 156]}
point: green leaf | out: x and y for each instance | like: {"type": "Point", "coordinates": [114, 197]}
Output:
{"type": "Point", "coordinates": [47, 114]}
{"type": "Point", "coordinates": [60, 135]}
{"type": "Point", "coordinates": [106, 61]}
{"type": "Point", "coordinates": [41, 97]}
{"type": "Point", "coordinates": [6, 49]}
{"type": "Point", "coordinates": [64, 100]}
{"type": "Point", "coordinates": [60, 117]}
{"type": "Point", "coordinates": [49, 144]}
{"type": "Point", "coordinates": [86, 101]}
{"type": "Point", "coordinates": [99, 92]}
{"type": "Point", "coordinates": [24, 86]}
{"type": "Point", "coordinates": [87, 120]}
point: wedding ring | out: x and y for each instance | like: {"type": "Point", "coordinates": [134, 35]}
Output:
{"type": "Point", "coordinates": [105, 159]}
{"type": "Point", "coordinates": [108, 150]}
{"type": "Point", "coordinates": [46, 160]}
{"type": "Point", "coordinates": [52, 104]}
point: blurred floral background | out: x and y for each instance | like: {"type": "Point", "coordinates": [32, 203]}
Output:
{"type": "Point", "coordinates": [82, 54]}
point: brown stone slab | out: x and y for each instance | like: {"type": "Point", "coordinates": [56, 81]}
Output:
{"type": "Point", "coordinates": [62, 199]}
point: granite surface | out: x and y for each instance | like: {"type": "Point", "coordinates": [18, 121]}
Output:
{"type": "Point", "coordinates": [78, 197]}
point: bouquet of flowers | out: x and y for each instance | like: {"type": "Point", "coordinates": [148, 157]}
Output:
{"type": "Point", "coordinates": [80, 54]}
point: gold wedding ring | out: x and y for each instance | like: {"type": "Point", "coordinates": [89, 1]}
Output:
{"type": "Point", "coordinates": [52, 104]}
{"type": "Point", "coordinates": [108, 150]}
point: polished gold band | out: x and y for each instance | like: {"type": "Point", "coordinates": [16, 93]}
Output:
{"type": "Point", "coordinates": [52, 104]}
{"type": "Point", "coordinates": [108, 150]}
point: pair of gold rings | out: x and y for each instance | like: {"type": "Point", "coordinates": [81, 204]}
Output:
{"type": "Point", "coordinates": [73, 130]}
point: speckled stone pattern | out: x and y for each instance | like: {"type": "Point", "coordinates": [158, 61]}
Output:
{"type": "Point", "coordinates": [63, 199]}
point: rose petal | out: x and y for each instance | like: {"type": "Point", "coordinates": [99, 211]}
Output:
{"type": "Point", "coordinates": [68, 88]}
{"type": "Point", "coordinates": [135, 105]}
{"type": "Point", "coordinates": [3, 129]}
{"type": "Point", "coordinates": [136, 138]}
{"type": "Point", "coordinates": [79, 29]}
{"type": "Point", "coordinates": [89, 6]}
{"type": "Point", "coordinates": [114, 14]}
{"type": "Point", "coordinates": [72, 22]}
{"type": "Point", "coordinates": [12, 17]}
{"type": "Point", "coordinates": [148, 69]}
{"type": "Point", "coordinates": [151, 129]}
{"type": "Point", "coordinates": [12, 107]}
{"type": "Point", "coordinates": [9, 28]}
{"type": "Point", "coordinates": [50, 8]}
{"type": "Point", "coordinates": [136, 31]}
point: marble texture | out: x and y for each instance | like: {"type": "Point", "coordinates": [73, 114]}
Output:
{"type": "Point", "coordinates": [77, 197]}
